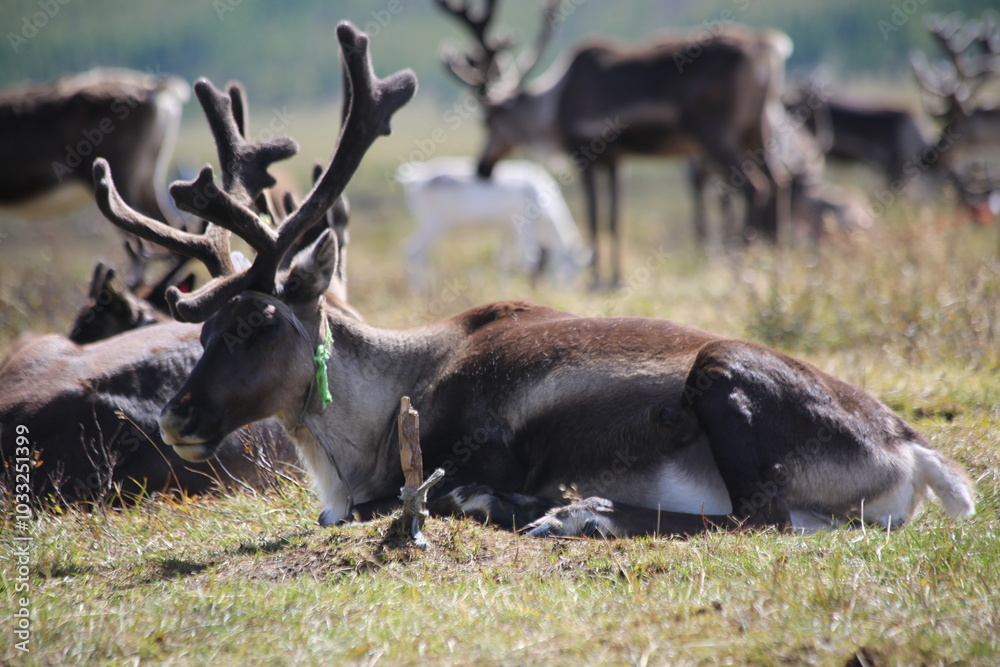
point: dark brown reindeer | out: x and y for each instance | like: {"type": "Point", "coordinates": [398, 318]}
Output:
{"type": "Point", "coordinates": [680, 95]}
{"type": "Point", "coordinates": [662, 428]}
{"type": "Point", "coordinates": [888, 138]}
{"type": "Point", "coordinates": [52, 132]}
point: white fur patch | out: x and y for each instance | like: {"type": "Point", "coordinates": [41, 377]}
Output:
{"type": "Point", "coordinates": [477, 502]}
{"type": "Point", "coordinates": [333, 493]}
{"type": "Point", "coordinates": [678, 491]}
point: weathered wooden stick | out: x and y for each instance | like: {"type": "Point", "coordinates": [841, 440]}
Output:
{"type": "Point", "coordinates": [414, 493]}
{"type": "Point", "coordinates": [409, 444]}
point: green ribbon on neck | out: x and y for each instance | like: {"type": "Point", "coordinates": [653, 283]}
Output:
{"type": "Point", "coordinates": [320, 358]}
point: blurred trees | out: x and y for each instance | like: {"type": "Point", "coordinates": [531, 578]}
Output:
{"type": "Point", "coordinates": [286, 51]}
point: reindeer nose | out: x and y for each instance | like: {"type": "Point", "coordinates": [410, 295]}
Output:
{"type": "Point", "coordinates": [177, 419]}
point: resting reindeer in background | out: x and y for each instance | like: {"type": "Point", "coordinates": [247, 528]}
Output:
{"type": "Point", "coordinates": [520, 198]}
{"type": "Point", "coordinates": [113, 308]}
{"type": "Point", "coordinates": [672, 430]}
{"type": "Point", "coordinates": [51, 134]}
{"type": "Point", "coordinates": [678, 95]}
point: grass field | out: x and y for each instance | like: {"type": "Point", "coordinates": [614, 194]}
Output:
{"type": "Point", "coordinates": [910, 310]}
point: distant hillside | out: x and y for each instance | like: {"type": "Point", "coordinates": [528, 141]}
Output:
{"type": "Point", "coordinates": [286, 51]}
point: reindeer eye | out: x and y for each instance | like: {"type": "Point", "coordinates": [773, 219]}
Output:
{"type": "Point", "coordinates": [270, 329]}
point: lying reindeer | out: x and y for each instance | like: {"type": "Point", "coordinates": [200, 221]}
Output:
{"type": "Point", "coordinates": [113, 308]}
{"type": "Point", "coordinates": [90, 413]}
{"type": "Point", "coordinates": [520, 198]}
{"type": "Point", "coordinates": [662, 428]}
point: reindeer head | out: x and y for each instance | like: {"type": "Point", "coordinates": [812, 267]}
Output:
{"type": "Point", "coordinates": [497, 78]}
{"type": "Point", "coordinates": [263, 321]}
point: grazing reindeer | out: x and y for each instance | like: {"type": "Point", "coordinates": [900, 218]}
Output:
{"type": "Point", "coordinates": [53, 132]}
{"type": "Point", "coordinates": [812, 199]}
{"type": "Point", "coordinates": [970, 139]}
{"type": "Point", "coordinates": [520, 197]}
{"type": "Point", "coordinates": [678, 95]}
{"type": "Point", "coordinates": [675, 429]}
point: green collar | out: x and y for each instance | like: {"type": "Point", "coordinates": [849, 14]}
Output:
{"type": "Point", "coordinates": [323, 352]}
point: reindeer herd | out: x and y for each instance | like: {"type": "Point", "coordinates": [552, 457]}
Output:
{"type": "Point", "coordinates": [655, 427]}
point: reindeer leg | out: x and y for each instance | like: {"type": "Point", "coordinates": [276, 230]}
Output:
{"type": "Point", "coordinates": [725, 153]}
{"type": "Point", "coordinates": [743, 426]}
{"type": "Point", "coordinates": [614, 187]}
{"type": "Point", "coordinates": [590, 194]}
{"type": "Point", "coordinates": [696, 171]}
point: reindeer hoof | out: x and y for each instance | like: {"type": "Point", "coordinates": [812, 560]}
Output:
{"type": "Point", "coordinates": [586, 518]}
{"type": "Point", "coordinates": [327, 518]}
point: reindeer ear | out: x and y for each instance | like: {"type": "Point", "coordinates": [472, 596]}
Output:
{"type": "Point", "coordinates": [311, 271]}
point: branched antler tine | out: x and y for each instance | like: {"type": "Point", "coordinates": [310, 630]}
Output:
{"type": "Point", "coordinates": [199, 305]}
{"type": "Point", "coordinates": [529, 60]}
{"type": "Point", "coordinates": [346, 92]}
{"type": "Point", "coordinates": [463, 68]}
{"type": "Point", "coordinates": [244, 164]}
{"type": "Point", "coordinates": [241, 116]}
{"type": "Point", "coordinates": [238, 104]}
{"type": "Point", "coordinates": [923, 73]}
{"type": "Point", "coordinates": [960, 40]}
{"type": "Point", "coordinates": [212, 250]}
{"type": "Point", "coordinates": [374, 101]}
{"type": "Point", "coordinates": [288, 203]}
{"type": "Point", "coordinates": [477, 68]}
{"type": "Point", "coordinates": [202, 197]}
{"type": "Point", "coordinates": [462, 11]}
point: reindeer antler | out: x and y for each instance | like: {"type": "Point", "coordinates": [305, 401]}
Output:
{"type": "Point", "coordinates": [211, 248]}
{"type": "Point", "coordinates": [244, 176]}
{"type": "Point", "coordinates": [973, 58]}
{"type": "Point", "coordinates": [475, 68]}
{"type": "Point", "coordinates": [372, 103]}
{"type": "Point", "coordinates": [529, 59]}
{"type": "Point", "coordinates": [481, 68]}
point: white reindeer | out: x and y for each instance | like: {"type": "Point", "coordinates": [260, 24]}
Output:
{"type": "Point", "coordinates": [521, 197]}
